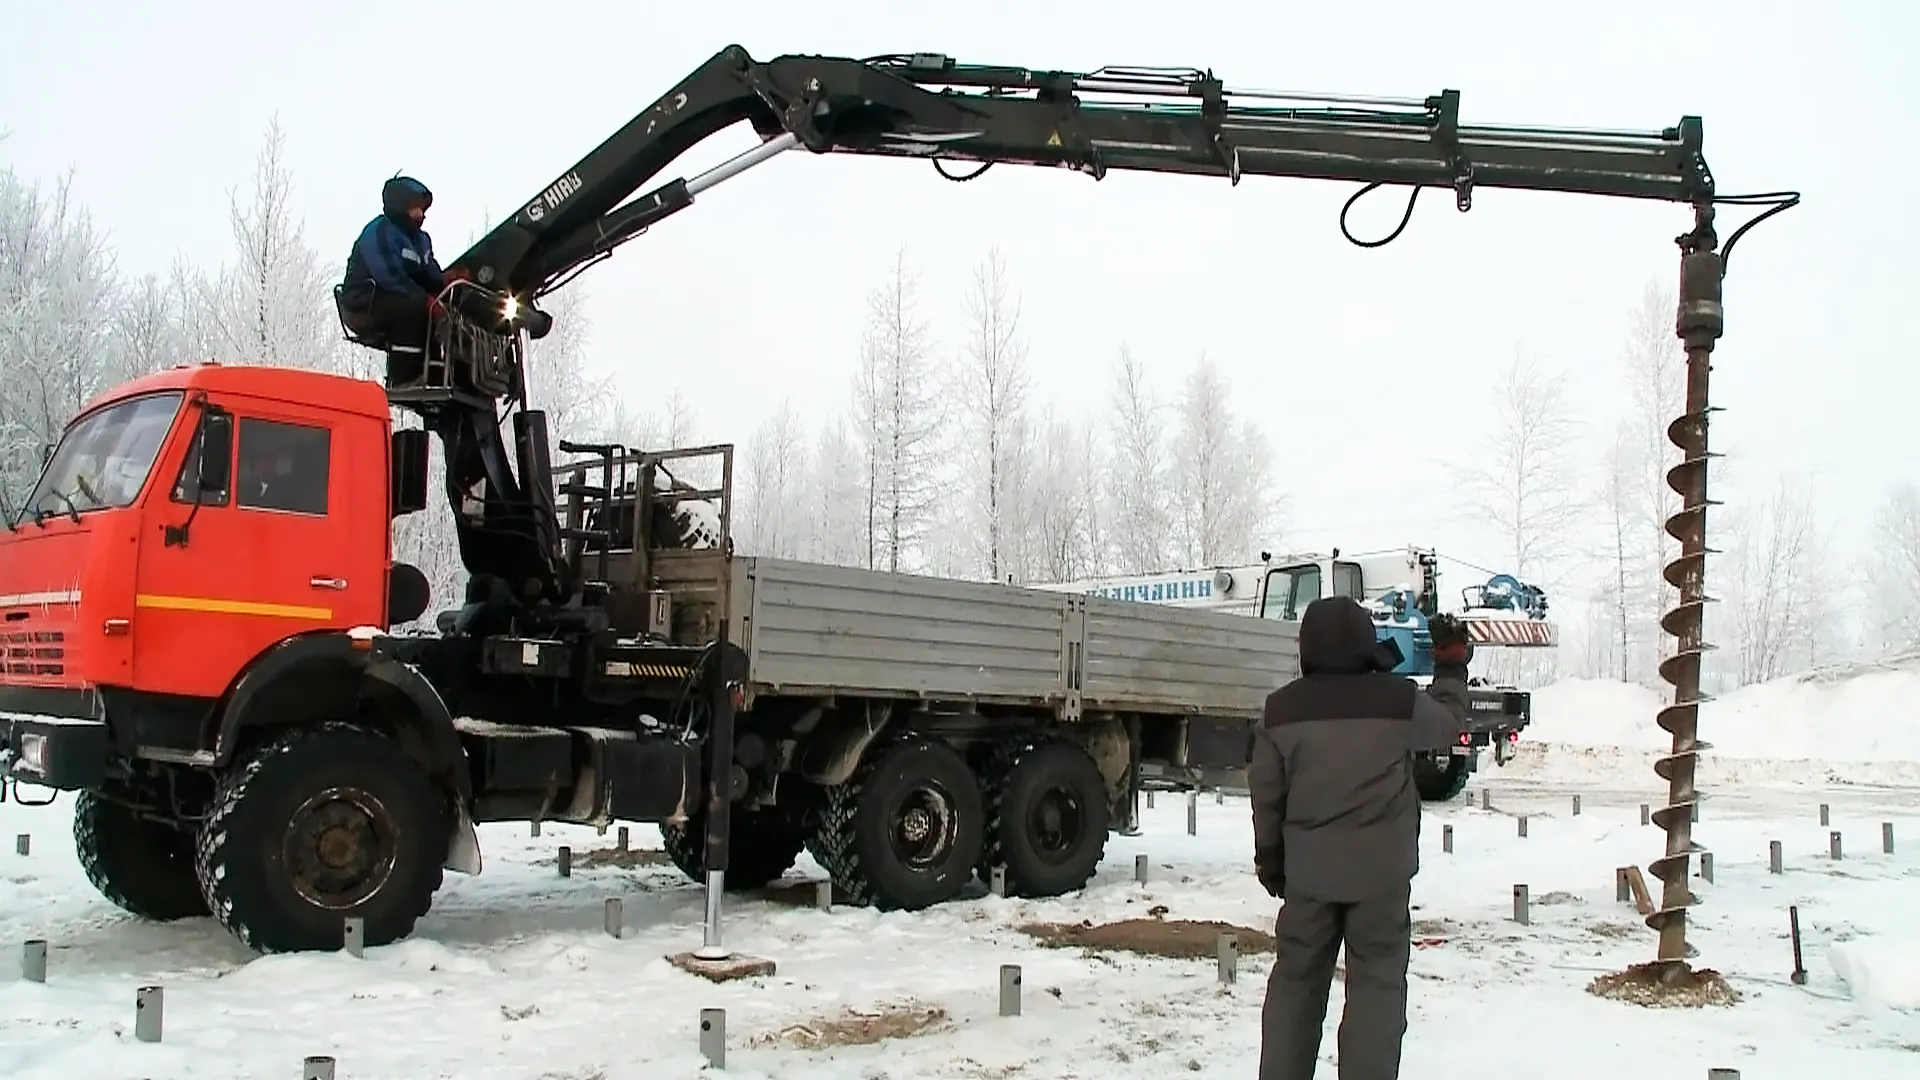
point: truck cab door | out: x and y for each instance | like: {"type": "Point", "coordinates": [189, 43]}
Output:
{"type": "Point", "coordinates": [266, 557]}
{"type": "Point", "coordinates": [1289, 589]}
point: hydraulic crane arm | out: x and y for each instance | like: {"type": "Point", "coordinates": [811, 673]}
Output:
{"type": "Point", "coordinates": [928, 106]}
{"type": "Point", "coordinates": [1150, 120]}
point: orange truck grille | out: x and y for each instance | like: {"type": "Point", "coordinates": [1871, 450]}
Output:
{"type": "Point", "coordinates": [33, 653]}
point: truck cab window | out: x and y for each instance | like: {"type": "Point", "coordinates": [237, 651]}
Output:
{"type": "Point", "coordinates": [105, 457]}
{"type": "Point", "coordinates": [1290, 590]}
{"type": "Point", "coordinates": [283, 467]}
{"type": "Point", "coordinates": [1347, 580]}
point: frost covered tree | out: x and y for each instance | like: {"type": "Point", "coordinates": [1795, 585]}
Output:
{"type": "Point", "coordinates": [1623, 618]}
{"type": "Point", "coordinates": [775, 492]}
{"type": "Point", "coordinates": [59, 294]}
{"type": "Point", "coordinates": [1523, 485]}
{"type": "Point", "coordinates": [273, 303]}
{"type": "Point", "coordinates": [577, 394]}
{"type": "Point", "coordinates": [836, 525]}
{"type": "Point", "coordinates": [1774, 580]}
{"type": "Point", "coordinates": [899, 421]}
{"type": "Point", "coordinates": [993, 391]}
{"type": "Point", "coordinates": [1222, 468]}
{"type": "Point", "coordinates": [1893, 572]}
{"type": "Point", "coordinates": [1653, 364]}
{"type": "Point", "coordinates": [149, 328]}
{"type": "Point", "coordinates": [1062, 502]}
{"type": "Point", "coordinates": [1136, 471]}
{"type": "Point", "coordinates": [994, 386]}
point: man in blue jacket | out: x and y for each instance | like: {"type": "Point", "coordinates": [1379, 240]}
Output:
{"type": "Point", "coordinates": [393, 282]}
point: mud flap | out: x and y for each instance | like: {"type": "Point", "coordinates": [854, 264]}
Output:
{"type": "Point", "coordinates": [463, 851]}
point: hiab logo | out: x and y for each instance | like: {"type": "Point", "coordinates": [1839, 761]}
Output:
{"type": "Point", "coordinates": [550, 199]}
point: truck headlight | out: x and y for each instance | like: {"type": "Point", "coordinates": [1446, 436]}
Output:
{"type": "Point", "coordinates": [33, 754]}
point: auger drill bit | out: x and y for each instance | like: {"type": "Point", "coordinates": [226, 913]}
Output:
{"type": "Point", "coordinates": [1699, 324]}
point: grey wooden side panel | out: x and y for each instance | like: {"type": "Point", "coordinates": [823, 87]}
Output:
{"type": "Point", "coordinates": [810, 627]}
{"type": "Point", "coordinates": [1163, 658]}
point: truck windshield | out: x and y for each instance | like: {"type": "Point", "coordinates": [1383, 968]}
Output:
{"type": "Point", "coordinates": [104, 458]}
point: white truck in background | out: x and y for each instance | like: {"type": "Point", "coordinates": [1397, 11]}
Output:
{"type": "Point", "coordinates": [1400, 588]}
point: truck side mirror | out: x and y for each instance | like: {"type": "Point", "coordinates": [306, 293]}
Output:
{"type": "Point", "coordinates": [409, 471]}
{"type": "Point", "coordinates": [215, 459]}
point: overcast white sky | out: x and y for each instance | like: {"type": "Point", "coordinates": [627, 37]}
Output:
{"type": "Point", "coordinates": [1369, 367]}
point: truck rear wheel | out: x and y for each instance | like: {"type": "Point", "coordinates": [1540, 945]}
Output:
{"type": "Point", "coordinates": [144, 866]}
{"type": "Point", "coordinates": [1047, 817]}
{"type": "Point", "coordinates": [761, 846]}
{"type": "Point", "coordinates": [318, 825]}
{"type": "Point", "coordinates": [1437, 782]}
{"type": "Point", "coordinates": [905, 832]}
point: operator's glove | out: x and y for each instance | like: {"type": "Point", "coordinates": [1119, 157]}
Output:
{"type": "Point", "coordinates": [1272, 877]}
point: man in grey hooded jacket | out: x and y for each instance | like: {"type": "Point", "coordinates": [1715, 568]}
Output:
{"type": "Point", "coordinates": [1336, 833]}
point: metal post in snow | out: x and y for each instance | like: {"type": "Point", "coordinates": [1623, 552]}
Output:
{"type": "Point", "coordinates": [1522, 906]}
{"type": "Point", "coordinates": [713, 1037]}
{"type": "Point", "coordinates": [353, 936]}
{"type": "Point", "coordinates": [1140, 869]}
{"type": "Point", "coordinates": [317, 1068]}
{"type": "Point", "coordinates": [614, 918]}
{"type": "Point", "coordinates": [1226, 949]}
{"type": "Point", "coordinates": [33, 961]}
{"type": "Point", "coordinates": [1009, 989]}
{"type": "Point", "coordinates": [1774, 860]}
{"type": "Point", "coordinates": [1446, 839]}
{"type": "Point", "coordinates": [148, 1003]}
{"type": "Point", "coordinates": [1193, 813]}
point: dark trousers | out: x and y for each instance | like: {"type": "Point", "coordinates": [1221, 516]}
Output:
{"type": "Point", "coordinates": [1378, 935]}
{"type": "Point", "coordinates": [395, 321]}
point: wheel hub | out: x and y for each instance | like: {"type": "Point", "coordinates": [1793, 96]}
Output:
{"type": "Point", "coordinates": [339, 848]}
{"type": "Point", "coordinates": [924, 826]}
{"type": "Point", "coordinates": [1054, 822]}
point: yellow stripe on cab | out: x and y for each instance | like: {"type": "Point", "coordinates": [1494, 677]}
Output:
{"type": "Point", "coordinates": [209, 605]}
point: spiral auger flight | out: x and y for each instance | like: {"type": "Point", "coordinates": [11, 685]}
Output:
{"type": "Point", "coordinates": [1699, 323]}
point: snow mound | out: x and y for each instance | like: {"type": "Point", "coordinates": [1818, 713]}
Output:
{"type": "Point", "coordinates": [1845, 724]}
{"type": "Point", "coordinates": [1880, 970]}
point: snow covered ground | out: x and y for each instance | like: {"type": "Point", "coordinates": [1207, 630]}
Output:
{"type": "Point", "coordinates": [511, 976]}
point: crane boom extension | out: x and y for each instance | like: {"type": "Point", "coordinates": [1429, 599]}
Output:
{"type": "Point", "coordinates": [1151, 120]}
{"type": "Point", "coordinates": [928, 106]}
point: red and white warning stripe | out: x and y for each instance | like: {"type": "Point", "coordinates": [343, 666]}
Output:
{"type": "Point", "coordinates": [1515, 633]}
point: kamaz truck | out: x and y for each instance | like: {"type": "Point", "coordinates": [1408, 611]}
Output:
{"type": "Point", "coordinates": [199, 594]}
{"type": "Point", "coordinates": [1401, 589]}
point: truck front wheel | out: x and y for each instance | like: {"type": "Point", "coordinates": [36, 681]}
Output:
{"type": "Point", "coordinates": [144, 866]}
{"type": "Point", "coordinates": [905, 832]}
{"type": "Point", "coordinates": [317, 825]}
{"type": "Point", "coordinates": [1047, 817]}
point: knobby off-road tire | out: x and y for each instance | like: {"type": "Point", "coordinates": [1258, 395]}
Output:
{"type": "Point", "coordinates": [903, 833]}
{"type": "Point", "coordinates": [1047, 816]}
{"type": "Point", "coordinates": [761, 846]}
{"type": "Point", "coordinates": [1439, 783]}
{"type": "Point", "coordinates": [317, 825]}
{"type": "Point", "coordinates": [144, 867]}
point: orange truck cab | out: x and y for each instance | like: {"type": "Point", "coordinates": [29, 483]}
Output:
{"type": "Point", "coordinates": [186, 524]}
{"type": "Point", "coordinates": [198, 602]}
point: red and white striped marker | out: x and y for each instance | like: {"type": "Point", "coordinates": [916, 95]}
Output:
{"type": "Point", "coordinates": [1522, 633]}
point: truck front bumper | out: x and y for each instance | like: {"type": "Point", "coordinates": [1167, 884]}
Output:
{"type": "Point", "coordinates": [52, 751]}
